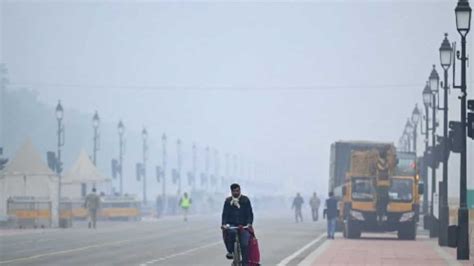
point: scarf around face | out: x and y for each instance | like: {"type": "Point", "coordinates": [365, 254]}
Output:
{"type": "Point", "coordinates": [235, 201]}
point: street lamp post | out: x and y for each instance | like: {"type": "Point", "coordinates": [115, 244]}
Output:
{"type": "Point", "coordinates": [207, 161]}
{"type": "Point", "coordinates": [445, 54]}
{"type": "Point", "coordinates": [216, 168]}
{"type": "Point", "coordinates": [401, 142]}
{"type": "Point", "coordinates": [121, 130]}
{"type": "Point", "coordinates": [415, 119]}
{"type": "Point", "coordinates": [194, 166]}
{"type": "Point", "coordinates": [163, 142]}
{"type": "Point", "coordinates": [463, 24]}
{"type": "Point", "coordinates": [404, 141]}
{"type": "Point", "coordinates": [434, 86]}
{"type": "Point", "coordinates": [59, 164]}
{"type": "Point", "coordinates": [145, 158]}
{"type": "Point", "coordinates": [178, 152]}
{"type": "Point", "coordinates": [408, 133]}
{"type": "Point", "coordinates": [426, 102]}
{"type": "Point", "coordinates": [95, 124]}
{"type": "Point", "coordinates": [227, 167]}
{"type": "Point", "coordinates": [234, 171]}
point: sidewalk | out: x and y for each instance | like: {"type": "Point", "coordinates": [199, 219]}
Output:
{"type": "Point", "coordinates": [382, 249]}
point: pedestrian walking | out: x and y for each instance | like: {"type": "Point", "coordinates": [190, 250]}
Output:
{"type": "Point", "coordinates": [159, 206]}
{"type": "Point", "coordinates": [185, 203]}
{"type": "Point", "coordinates": [314, 202]}
{"type": "Point", "coordinates": [297, 205]}
{"type": "Point", "coordinates": [92, 204]}
{"type": "Point", "coordinates": [330, 212]}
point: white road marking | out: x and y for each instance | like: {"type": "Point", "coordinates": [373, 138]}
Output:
{"type": "Point", "coordinates": [308, 261]}
{"type": "Point", "coordinates": [180, 253]}
{"type": "Point", "coordinates": [62, 252]}
{"type": "Point", "coordinates": [286, 260]}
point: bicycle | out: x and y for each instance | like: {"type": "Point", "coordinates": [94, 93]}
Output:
{"type": "Point", "coordinates": [237, 261]}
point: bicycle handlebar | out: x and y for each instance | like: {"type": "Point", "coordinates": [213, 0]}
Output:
{"type": "Point", "coordinates": [236, 227]}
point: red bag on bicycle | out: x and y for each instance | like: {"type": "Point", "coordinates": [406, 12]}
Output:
{"type": "Point", "coordinates": [254, 251]}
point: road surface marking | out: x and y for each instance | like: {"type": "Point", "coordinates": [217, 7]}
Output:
{"type": "Point", "coordinates": [62, 252]}
{"type": "Point", "coordinates": [308, 261]}
{"type": "Point", "coordinates": [285, 261]}
{"type": "Point", "coordinates": [180, 253]}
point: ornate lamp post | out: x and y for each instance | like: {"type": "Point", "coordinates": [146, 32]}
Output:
{"type": "Point", "coordinates": [463, 24]}
{"type": "Point", "coordinates": [145, 158]}
{"type": "Point", "coordinates": [95, 124]}
{"type": "Point", "coordinates": [415, 119]}
{"type": "Point", "coordinates": [446, 57]}
{"type": "Point", "coordinates": [163, 142]}
{"type": "Point", "coordinates": [59, 164]}
{"type": "Point", "coordinates": [434, 86]}
{"type": "Point", "coordinates": [121, 131]}
{"type": "Point", "coordinates": [427, 100]}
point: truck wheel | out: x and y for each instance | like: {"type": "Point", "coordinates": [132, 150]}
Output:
{"type": "Point", "coordinates": [407, 232]}
{"type": "Point", "coordinates": [352, 230]}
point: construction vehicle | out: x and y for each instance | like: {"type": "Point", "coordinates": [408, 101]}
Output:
{"type": "Point", "coordinates": [378, 188]}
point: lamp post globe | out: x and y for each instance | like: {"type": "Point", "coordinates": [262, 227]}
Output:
{"type": "Point", "coordinates": [120, 127]}
{"type": "Point", "coordinates": [96, 120]}
{"type": "Point", "coordinates": [163, 138]}
{"type": "Point", "coordinates": [445, 53]}
{"type": "Point", "coordinates": [144, 134]}
{"type": "Point", "coordinates": [434, 80]}
{"type": "Point", "coordinates": [415, 115]}
{"type": "Point", "coordinates": [463, 17]}
{"type": "Point", "coordinates": [408, 127]}
{"type": "Point", "coordinates": [59, 111]}
{"type": "Point", "coordinates": [427, 95]}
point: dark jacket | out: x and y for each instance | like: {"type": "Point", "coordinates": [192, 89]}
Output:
{"type": "Point", "coordinates": [298, 202]}
{"type": "Point", "coordinates": [331, 208]}
{"type": "Point", "coordinates": [237, 216]}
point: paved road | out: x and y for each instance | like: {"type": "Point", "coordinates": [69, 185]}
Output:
{"type": "Point", "coordinates": [165, 242]}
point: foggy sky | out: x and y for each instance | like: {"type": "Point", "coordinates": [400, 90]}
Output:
{"type": "Point", "coordinates": [274, 81]}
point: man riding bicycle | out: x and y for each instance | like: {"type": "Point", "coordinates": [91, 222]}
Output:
{"type": "Point", "coordinates": [237, 211]}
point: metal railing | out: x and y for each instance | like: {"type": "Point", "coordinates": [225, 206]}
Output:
{"type": "Point", "coordinates": [29, 212]}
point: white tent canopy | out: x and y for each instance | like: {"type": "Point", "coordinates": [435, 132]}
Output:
{"type": "Point", "coordinates": [27, 175]}
{"type": "Point", "coordinates": [83, 172]}
{"type": "Point", "coordinates": [27, 161]}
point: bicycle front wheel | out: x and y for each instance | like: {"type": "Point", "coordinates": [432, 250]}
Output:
{"type": "Point", "coordinates": [237, 254]}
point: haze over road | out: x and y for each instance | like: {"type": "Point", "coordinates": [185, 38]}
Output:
{"type": "Point", "coordinates": [166, 242]}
